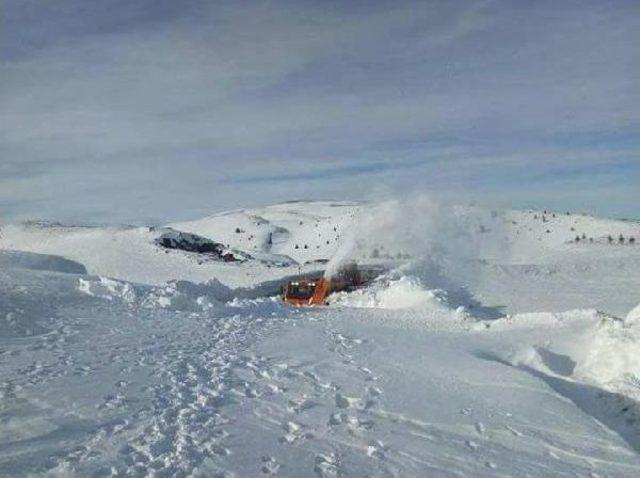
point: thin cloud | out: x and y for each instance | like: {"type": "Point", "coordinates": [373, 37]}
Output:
{"type": "Point", "coordinates": [153, 102]}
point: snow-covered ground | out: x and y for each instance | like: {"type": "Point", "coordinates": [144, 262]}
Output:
{"type": "Point", "coordinates": [495, 345]}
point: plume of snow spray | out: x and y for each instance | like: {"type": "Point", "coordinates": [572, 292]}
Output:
{"type": "Point", "coordinates": [426, 234]}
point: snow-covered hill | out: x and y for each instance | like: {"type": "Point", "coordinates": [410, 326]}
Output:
{"type": "Point", "coordinates": [274, 238]}
{"type": "Point", "coordinates": [491, 347]}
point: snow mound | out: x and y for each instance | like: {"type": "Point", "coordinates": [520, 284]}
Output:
{"type": "Point", "coordinates": [108, 289]}
{"type": "Point", "coordinates": [539, 320]}
{"type": "Point", "coordinates": [41, 262]}
{"type": "Point", "coordinates": [402, 293]}
{"type": "Point", "coordinates": [610, 356]}
{"type": "Point", "coordinates": [174, 295]}
{"type": "Point", "coordinates": [185, 296]}
{"type": "Point", "coordinates": [587, 347]}
{"type": "Point", "coordinates": [634, 315]}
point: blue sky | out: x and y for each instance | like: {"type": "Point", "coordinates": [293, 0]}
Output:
{"type": "Point", "coordinates": [149, 111]}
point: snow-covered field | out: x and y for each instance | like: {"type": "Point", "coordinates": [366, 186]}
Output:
{"type": "Point", "coordinates": [497, 344]}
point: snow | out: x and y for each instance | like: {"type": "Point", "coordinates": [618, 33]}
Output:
{"type": "Point", "coordinates": [634, 314]}
{"type": "Point", "coordinates": [402, 293]}
{"type": "Point", "coordinates": [489, 347]}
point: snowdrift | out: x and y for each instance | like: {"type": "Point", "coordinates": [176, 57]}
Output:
{"type": "Point", "coordinates": [403, 293]}
{"type": "Point", "coordinates": [42, 262]}
{"type": "Point", "coordinates": [634, 315]}
{"type": "Point", "coordinates": [589, 357]}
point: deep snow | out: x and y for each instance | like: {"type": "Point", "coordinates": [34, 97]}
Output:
{"type": "Point", "coordinates": [491, 347]}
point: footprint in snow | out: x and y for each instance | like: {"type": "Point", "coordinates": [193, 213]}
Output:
{"type": "Point", "coordinates": [326, 465]}
{"type": "Point", "coordinates": [269, 465]}
{"type": "Point", "coordinates": [301, 405]}
{"type": "Point", "coordinates": [251, 392]}
{"type": "Point", "coordinates": [514, 431]}
{"type": "Point", "coordinates": [295, 432]}
{"type": "Point", "coordinates": [111, 402]}
{"type": "Point", "coordinates": [342, 401]}
{"type": "Point", "coordinates": [337, 419]}
{"type": "Point", "coordinates": [377, 449]}
{"type": "Point", "coordinates": [354, 425]}
{"type": "Point", "coordinates": [369, 376]}
{"type": "Point", "coordinates": [374, 391]}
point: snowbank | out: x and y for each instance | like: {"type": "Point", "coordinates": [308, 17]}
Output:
{"type": "Point", "coordinates": [634, 315]}
{"type": "Point", "coordinates": [403, 293]}
{"type": "Point", "coordinates": [174, 295]}
{"type": "Point", "coordinates": [42, 262]}
{"type": "Point", "coordinates": [583, 346]}
{"type": "Point", "coordinates": [609, 355]}
{"type": "Point", "coordinates": [541, 320]}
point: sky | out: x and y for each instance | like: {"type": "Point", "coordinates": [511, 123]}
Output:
{"type": "Point", "coordinates": [150, 111]}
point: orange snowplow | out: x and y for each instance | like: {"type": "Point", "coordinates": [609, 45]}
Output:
{"type": "Point", "coordinates": [314, 291]}
{"type": "Point", "coordinates": [306, 292]}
